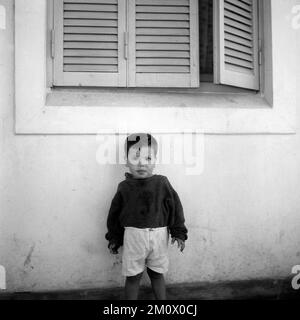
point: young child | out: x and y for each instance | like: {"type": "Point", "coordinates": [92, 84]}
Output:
{"type": "Point", "coordinates": [143, 212]}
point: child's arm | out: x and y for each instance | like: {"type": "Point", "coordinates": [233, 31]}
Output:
{"type": "Point", "coordinates": [177, 227]}
{"type": "Point", "coordinates": [180, 243]}
{"type": "Point", "coordinates": [115, 230]}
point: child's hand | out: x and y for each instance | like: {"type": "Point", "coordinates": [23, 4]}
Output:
{"type": "Point", "coordinates": [113, 248]}
{"type": "Point", "coordinates": [181, 243]}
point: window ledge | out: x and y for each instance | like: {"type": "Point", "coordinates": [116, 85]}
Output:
{"type": "Point", "coordinates": [151, 98]}
{"type": "Point", "coordinates": [114, 110]}
{"type": "Point", "coordinates": [41, 111]}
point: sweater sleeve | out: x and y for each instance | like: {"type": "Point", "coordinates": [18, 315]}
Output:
{"type": "Point", "coordinates": [115, 230]}
{"type": "Point", "coordinates": [176, 226]}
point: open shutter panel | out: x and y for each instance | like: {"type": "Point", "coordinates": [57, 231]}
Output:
{"type": "Point", "coordinates": [236, 60]}
{"type": "Point", "coordinates": [163, 43]}
{"type": "Point", "coordinates": [89, 37]}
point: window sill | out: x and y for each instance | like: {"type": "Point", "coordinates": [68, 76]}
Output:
{"type": "Point", "coordinates": [155, 98]}
{"type": "Point", "coordinates": [91, 111]}
{"type": "Point", "coordinates": [113, 110]}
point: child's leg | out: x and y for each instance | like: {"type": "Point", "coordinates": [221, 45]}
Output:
{"type": "Point", "coordinates": [158, 284]}
{"type": "Point", "coordinates": [132, 287]}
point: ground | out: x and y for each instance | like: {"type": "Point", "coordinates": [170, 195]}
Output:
{"type": "Point", "coordinates": [248, 289]}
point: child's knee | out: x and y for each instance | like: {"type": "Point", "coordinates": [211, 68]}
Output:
{"type": "Point", "coordinates": [153, 274]}
{"type": "Point", "coordinates": [137, 277]}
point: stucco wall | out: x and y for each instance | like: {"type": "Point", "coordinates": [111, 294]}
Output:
{"type": "Point", "coordinates": [242, 212]}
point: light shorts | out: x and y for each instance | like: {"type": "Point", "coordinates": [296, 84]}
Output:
{"type": "Point", "coordinates": [145, 247]}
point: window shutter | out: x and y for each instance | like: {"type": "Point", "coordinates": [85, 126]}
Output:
{"type": "Point", "coordinates": [89, 39]}
{"type": "Point", "coordinates": [236, 41]}
{"type": "Point", "coordinates": [163, 43]}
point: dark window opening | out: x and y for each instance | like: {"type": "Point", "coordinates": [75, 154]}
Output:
{"type": "Point", "coordinates": [206, 40]}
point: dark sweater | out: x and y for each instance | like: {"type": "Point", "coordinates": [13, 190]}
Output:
{"type": "Point", "coordinates": [145, 203]}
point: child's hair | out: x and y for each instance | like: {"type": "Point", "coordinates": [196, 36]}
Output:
{"type": "Point", "coordinates": [143, 139]}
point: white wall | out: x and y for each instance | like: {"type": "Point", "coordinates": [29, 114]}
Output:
{"type": "Point", "coordinates": [242, 212]}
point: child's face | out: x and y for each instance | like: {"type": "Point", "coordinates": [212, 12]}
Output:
{"type": "Point", "coordinates": [141, 161]}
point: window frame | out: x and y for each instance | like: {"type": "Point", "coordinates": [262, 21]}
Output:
{"type": "Point", "coordinates": [262, 113]}
{"type": "Point", "coordinates": [214, 84]}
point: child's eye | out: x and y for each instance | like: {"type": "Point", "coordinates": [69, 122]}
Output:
{"type": "Point", "coordinates": [149, 158]}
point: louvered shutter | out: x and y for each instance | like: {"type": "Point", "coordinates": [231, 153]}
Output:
{"type": "Point", "coordinates": [163, 43]}
{"type": "Point", "coordinates": [88, 36]}
{"type": "Point", "coordinates": [236, 60]}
